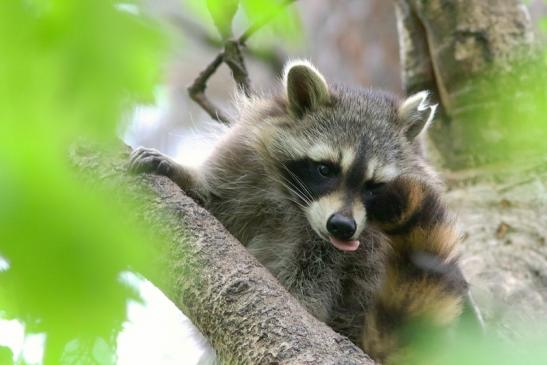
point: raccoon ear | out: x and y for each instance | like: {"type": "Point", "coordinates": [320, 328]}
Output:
{"type": "Point", "coordinates": [305, 86]}
{"type": "Point", "coordinates": [416, 114]}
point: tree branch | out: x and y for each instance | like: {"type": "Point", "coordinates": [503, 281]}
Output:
{"type": "Point", "coordinates": [234, 59]}
{"type": "Point", "coordinates": [197, 90]}
{"type": "Point", "coordinates": [246, 314]}
{"type": "Point", "coordinates": [232, 56]}
{"type": "Point", "coordinates": [273, 58]}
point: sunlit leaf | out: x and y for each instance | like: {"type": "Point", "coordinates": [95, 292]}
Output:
{"type": "Point", "coordinates": [276, 18]}
{"type": "Point", "coordinates": [282, 20]}
{"type": "Point", "coordinates": [222, 12]}
{"type": "Point", "coordinates": [68, 69]}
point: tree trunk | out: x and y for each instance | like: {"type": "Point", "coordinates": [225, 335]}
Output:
{"type": "Point", "coordinates": [460, 49]}
{"type": "Point", "coordinates": [237, 304]}
{"type": "Point", "coordinates": [452, 47]}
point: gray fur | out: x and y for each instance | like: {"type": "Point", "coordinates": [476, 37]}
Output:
{"type": "Point", "coordinates": [242, 185]}
{"type": "Point", "coordinates": [306, 87]}
{"type": "Point", "coordinates": [416, 113]}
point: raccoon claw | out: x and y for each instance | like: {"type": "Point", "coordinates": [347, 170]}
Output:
{"type": "Point", "coordinates": [144, 160]}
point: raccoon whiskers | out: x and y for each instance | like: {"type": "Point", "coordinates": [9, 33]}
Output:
{"type": "Point", "coordinates": [287, 184]}
{"type": "Point", "coordinates": [254, 192]}
{"type": "Point", "coordinates": [301, 186]}
{"type": "Point", "coordinates": [296, 190]}
{"type": "Point", "coordinates": [290, 198]}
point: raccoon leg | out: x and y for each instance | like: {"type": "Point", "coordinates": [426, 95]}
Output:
{"type": "Point", "coordinates": [423, 284]}
{"type": "Point", "coordinates": [152, 161]}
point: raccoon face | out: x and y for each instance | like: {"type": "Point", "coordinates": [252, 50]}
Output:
{"type": "Point", "coordinates": [333, 187]}
{"type": "Point", "coordinates": [338, 147]}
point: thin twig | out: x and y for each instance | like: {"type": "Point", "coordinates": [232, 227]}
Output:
{"type": "Point", "coordinates": [232, 56]}
{"type": "Point", "coordinates": [272, 57]}
{"type": "Point", "coordinates": [234, 59]}
{"type": "Point", "coordinates": [197, 91]}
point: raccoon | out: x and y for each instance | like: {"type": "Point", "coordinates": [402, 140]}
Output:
{"type": "Point", "coordinates": [327, 186]}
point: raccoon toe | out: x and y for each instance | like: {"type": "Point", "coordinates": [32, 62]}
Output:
{"type": "Point", "coordinates": [143, 160]}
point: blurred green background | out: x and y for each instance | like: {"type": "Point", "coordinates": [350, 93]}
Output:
{"type": "Point", "coordinates": [68, 70]}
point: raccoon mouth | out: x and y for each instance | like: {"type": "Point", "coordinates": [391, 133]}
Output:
{"type": "Point", "coordinates": [350, 245]}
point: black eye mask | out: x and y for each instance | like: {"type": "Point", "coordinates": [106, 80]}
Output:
{"type": "Point", "coordinates": [318, 178]}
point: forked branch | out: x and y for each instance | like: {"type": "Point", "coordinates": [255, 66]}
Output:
{"type": "Point", "coordinates": [232, 56]}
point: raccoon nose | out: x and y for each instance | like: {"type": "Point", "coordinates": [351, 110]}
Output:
{"type": "Point", "coordinates": [341, 227]}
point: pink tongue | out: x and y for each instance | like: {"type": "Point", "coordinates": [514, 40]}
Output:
{"type": "Point", "coordinates": [344, 245]}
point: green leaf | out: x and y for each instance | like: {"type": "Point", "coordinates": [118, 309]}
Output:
{"type": "Point", "coordinates": [222, 12]}
{"type": "Point", "coordinates": [68, 69]}
{"type": "Point", "coordinates": [543, 24]}
{"type": "Point", "coordinates": [276, 17]}
{"type": "Point", "coordinates": [282, 19]}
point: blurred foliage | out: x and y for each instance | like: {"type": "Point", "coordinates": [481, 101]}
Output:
{"type": "Point", "coordinates": [222, 12]}
{"type": "Point", "coordinates": [543, 24]}
{"type": "Point", "coordinates": [506, 113]}
{"type": "Point", "coordinates": [68, 69]}
{"type": "Point", "coordinates": [6, 356]}
{"type": "Point", "coordinates": [279, 19]}
{"type": "Point", "coordinates": [471, 347]}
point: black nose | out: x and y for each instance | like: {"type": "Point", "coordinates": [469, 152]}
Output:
{"type": "Point", "coordinates": [341, 227]}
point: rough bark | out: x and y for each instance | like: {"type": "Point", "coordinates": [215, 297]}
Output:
{"type": "Point", "coordinates": [237, 304]}
{"type": "Point", "coordinates": [503, 216]}
{"type": "Point", "coordinates": [452, 47]}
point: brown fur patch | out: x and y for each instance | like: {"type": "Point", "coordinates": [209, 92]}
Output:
{"type": "Point", "coordinates": [440, 239]}
{"type": "Point", "coordinates": [404, 299]}
{"type": "Point", "coordinates": [414, 194]}
{"type": "Point", "coordinates": [421, 298]}
{"type": "Point", "coordinates": [378, 343]}
{"type": "Point", "coordinates": [415, 197]}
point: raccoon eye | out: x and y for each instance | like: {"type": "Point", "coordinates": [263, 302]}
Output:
{"type": "Point", "coordinates": [326, 170]}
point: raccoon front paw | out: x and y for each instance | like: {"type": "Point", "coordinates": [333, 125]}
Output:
{"type": "Point", "coordinates": [413, 215]}
{"type": "Point", "coordinates": [405, 203]}
{"type": "Point", "coordinates": [151, 160]}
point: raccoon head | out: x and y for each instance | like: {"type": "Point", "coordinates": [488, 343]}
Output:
{"type": "Point", "coordinates": [334, 148]}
